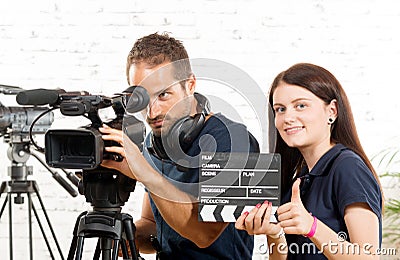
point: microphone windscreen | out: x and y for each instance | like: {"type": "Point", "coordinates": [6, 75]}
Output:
{"type": "Point", "coordinates": [37, 97]}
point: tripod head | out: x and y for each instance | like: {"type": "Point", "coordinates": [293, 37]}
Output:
{"type": "Point", "coordinates": [18, 153]}
{"type": "Point", "coordinates": [106, 189]}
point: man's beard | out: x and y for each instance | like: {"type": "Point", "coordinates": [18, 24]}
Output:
{"type": "Point", "coordinates": [170, 119]}
{"type": "Point", "coordinates": [165, 129]}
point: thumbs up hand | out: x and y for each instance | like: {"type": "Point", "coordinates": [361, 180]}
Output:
{"type": "Point", "coordinates": [296, 192]}
{"type": "Point", "coordinates": [293, 217]}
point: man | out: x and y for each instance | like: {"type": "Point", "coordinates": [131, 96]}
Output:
{"type": "Point", "coordinates": [160, 64]}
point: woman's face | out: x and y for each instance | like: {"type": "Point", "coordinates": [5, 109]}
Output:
{"type": "Point", "coordinates": [301, 117]}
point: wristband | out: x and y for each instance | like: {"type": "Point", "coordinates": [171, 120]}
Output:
{"type": "Point", "coordinates": [279, 235]}
{"type": "Point", "coordinates": [313, 228]}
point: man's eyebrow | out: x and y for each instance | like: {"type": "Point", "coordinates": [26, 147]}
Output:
{"type": "Point", "coordinates": [163, 90]}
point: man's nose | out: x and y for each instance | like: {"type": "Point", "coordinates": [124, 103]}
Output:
{"type": "Point", "coordinates": [153, 109]}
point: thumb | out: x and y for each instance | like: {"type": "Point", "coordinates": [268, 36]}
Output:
{"type": "Point", "coordinates": [296, 191]}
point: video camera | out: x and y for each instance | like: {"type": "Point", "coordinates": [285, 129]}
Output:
{"type": "Point", "coordinates": [83, 148]}
{"type": "Point", "coordinates": [17, 128]}
{"type": "Point", "coordinates": [17, 120]}
{"type": "Point", "coordinates": [15, 125]}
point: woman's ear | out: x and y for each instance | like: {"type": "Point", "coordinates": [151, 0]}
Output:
{"type": "Point", "coordinates": [332, 109]}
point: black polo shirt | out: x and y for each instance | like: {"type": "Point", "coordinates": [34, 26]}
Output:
{"type": "Point", "coordinates": [232, 243]}
{"type": "Point", "coordinates": [339, 179]}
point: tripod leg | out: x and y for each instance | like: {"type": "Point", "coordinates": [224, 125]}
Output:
{"type": "Point", "coordinates": [79, 248]}
{"type": "Point", "coordinates": [30, 225]}
{"type": "Point", "coordinates": [124, 249]}
{"type": "Point", "coordinates": [105, 246]}
{"type": "Point", "coordinates": [10, 225]}
{"type": "Point", "coordinates": [104, 249]}
{"type": "Point", "coordinates": [97, 251]}
{"type": "Point", "coordinates": [42, 230]}
{"type": "Point", "coordinates": [48, 220]}
{"type": "Point", "coordinates": [72, 248]}
{"type": "Point", "coordinates": [115, 249]}
{"type": "Point", "coordinates": [130, 229]}
{"type": "Point", "coordinates": [3, 207]}
{"type": "Point", "coordinates": [74, 242]}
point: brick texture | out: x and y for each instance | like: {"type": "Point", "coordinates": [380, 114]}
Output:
{"type": "Point", "coordinates": [82, 45]}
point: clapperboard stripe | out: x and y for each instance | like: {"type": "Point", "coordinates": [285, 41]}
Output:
{"type": "Point", "coordinates": [207, 213]}
{"type": "Point", "coordinates": [199, 217]}
{"type": "Point", "coordinates": [239, 211]}
{"type": "Point", "coordinates": [227, 213]}
{"type": "Point", "coordinates": [217, 213]}
{"type": "Point", "coordinates": [273, 215]}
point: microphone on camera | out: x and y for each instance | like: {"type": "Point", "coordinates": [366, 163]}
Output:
{"type": "Point", "coordinates": [39, 97]}
{"type": "Point", "coordinates": [137, 99]}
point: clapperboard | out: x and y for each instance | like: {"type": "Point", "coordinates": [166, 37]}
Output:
{"type": "Point", "coordinates": [232, 183]}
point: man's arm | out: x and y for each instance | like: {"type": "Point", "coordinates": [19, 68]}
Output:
{"type": "Point", "coordinates": [183, 218]}
{"type": "Point", "coordinates": [179, 209]}
{"type": "Point", "coordinates": [145, 227]}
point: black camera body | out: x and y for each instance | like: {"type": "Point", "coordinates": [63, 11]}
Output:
{"type": "Point", "coordinates": [84, 149]}
{"type": "Point", "coordinates": [80, 148]}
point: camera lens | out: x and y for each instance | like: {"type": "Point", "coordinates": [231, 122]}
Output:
{"type": "Point", "coordinates": [79, 146]}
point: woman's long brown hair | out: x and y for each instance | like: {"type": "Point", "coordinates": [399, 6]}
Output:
{"type": "Point", "coordinates": [325, 86]}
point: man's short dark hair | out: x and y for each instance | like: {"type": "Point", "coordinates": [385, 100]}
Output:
{"type": "Point", "coordinates": [155, 49]}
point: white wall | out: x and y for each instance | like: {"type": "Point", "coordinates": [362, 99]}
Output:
{"type": "Point", "coordinates": [82, 45]}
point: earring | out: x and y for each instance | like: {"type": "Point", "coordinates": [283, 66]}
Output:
{"type": "Point", "coordinates": [330, 121]}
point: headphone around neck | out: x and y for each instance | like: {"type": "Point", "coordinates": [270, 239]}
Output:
{"type": "Point", "coordinates": [182, 133]}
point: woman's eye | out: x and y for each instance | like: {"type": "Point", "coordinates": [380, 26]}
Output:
{"type": "Point", "coordinates": [301, 106]}
{"type": "Point", "coordinates": [279, 109]}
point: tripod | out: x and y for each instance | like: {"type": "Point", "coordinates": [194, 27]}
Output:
{"type": "Point", "coordinates": [107, 190]}
{"type": "Point", "coordinates": [111, 228]}
{"type": "Point", "coordinates": [18, 153]}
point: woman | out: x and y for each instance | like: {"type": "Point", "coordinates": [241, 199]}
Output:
{"type": "Point", "coordinates": [331, 196]}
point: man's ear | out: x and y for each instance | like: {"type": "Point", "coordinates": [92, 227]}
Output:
{"type": "Point", "coordinates": [191, 84]}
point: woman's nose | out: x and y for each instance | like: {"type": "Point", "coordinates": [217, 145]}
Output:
{"type": "Point", "coordinates": [289, 116]}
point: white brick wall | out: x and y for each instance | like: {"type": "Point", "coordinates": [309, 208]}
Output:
{"type": "Point", "coordinates": [83, 45]}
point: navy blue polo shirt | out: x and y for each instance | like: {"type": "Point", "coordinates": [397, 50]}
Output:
{"type": "Point", "coordinates": [221, 135]}
{"type": "Point", "coordinates": [339, 179]}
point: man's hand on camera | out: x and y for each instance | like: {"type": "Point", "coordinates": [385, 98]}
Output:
{"type": "Point", "coordinates": [112, 134]}
{"type": "Point", "coordinates": [115, 135]}
{"type": "Point", "coordinates": [134, 164]}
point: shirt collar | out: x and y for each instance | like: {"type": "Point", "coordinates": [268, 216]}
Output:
{"type": "Point", "coordinates": [324, 164]}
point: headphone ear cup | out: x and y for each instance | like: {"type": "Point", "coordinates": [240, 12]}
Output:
{"type": "Point", "coordinates": [183, 132]}
{"type": "Point", "coordinates": [175, 138]}
{"type": "Point", "coordinates": [191, 128]}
